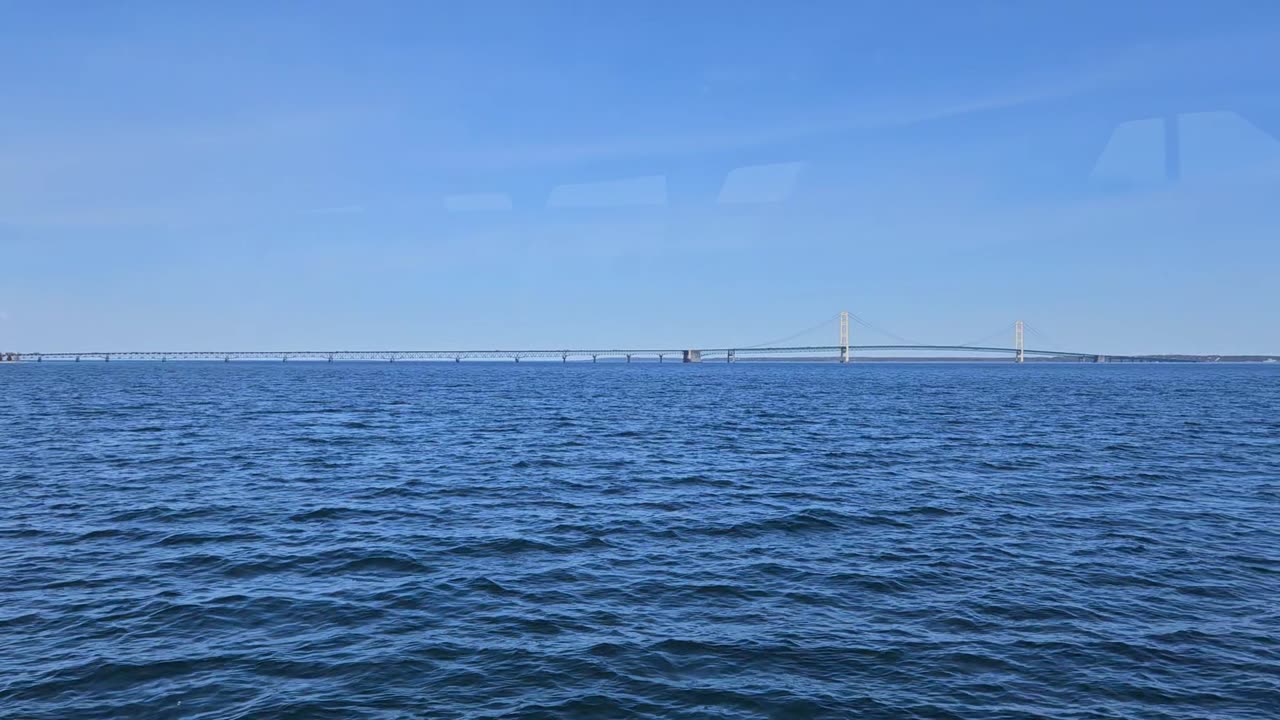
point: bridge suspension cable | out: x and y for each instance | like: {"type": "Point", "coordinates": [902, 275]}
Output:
{"type": "Point", "coordinates": [778, 341]}
{"type": "Point", "coordinates": [882, 331]}
{"type": "Point", "coordinates": [1002, 333]}
{"type": "Point", "coordinates": [1047, 340]}
{"type": "Point", "coordinates": [825, 323]}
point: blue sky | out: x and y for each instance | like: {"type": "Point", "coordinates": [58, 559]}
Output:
{"type": "Point", "coordinates": [438, 175]}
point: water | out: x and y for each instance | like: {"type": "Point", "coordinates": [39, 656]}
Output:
{"type": "Point", "coordinates": [791, 541]}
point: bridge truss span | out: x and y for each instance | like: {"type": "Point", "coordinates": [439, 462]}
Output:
{"type": "Point", "coordinates": [350, 355]}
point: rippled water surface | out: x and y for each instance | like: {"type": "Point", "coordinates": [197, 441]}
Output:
{"type": "Point", "coordinates": [188, 540]}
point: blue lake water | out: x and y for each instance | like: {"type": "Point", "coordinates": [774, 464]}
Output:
{"type": "Point", "coordinates": [270, 540]}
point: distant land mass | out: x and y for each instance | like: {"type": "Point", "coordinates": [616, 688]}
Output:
{"type": "Point", "coordinates": [1030, 359]}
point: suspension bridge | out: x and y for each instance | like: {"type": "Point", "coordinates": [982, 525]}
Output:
{"type": "Point", "coordinates": [843, 351]}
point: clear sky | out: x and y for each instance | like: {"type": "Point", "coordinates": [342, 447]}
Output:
{"type": "Point", "coordinates": [426, 175]}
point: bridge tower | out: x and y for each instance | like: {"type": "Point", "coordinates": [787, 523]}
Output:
{"type": "Point", "coordinates": [844, 336]}
{"type": "Point", "coordinates": [1017, 340]}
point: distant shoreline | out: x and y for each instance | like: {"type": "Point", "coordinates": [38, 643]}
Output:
{"type": "Point", "coordinates": [856, 359]}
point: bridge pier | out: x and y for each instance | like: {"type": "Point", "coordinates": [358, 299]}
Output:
{"type": "Point", "coordinates": [730, 356]}
{"type": "Point", "coordinates": [457, 358]}
{"type": "Point", "coordinates": [564, 357]}
{"type": "Point", "coordinates": [660, 357]}
{"type": "Point", "coordinates": [628, 359]}
{"type": "Point", "coordinates": [106, 358]}
{"type": "Point", "coordinates": [593, 358]}
{"type": "Point", "coordinates": [692, 356]}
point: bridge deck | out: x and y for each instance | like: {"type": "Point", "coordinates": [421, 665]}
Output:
{"type": "Point", "coordinates": [563, 354]}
